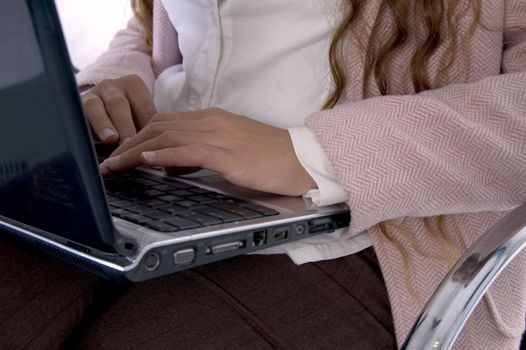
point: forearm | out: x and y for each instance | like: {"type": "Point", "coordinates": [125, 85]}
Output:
{"type": "Point", "coordinates": [458, 149]}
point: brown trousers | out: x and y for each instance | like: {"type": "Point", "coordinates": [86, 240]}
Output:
{"type": "Point", "coordinates": [250, 302]}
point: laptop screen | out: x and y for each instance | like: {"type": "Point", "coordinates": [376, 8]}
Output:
{"type": "Point", "coordinates": [49, 178]}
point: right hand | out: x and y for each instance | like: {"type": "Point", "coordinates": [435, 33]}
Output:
{"type": "Point", "coordinates": [117, 109]}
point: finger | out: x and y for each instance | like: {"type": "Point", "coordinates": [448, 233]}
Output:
{"type": "Point", "coordinates": [119, 111]}
{"type": "Point", "coordinates": [195, 155]}
{"type": "Point", "coordinates": [144, 136]}
{"type": "Point", "coordinates": [128, 159]}
{"type": "Point", "coordinates": [141, 103]}
{"type": "Point", "coordinates": [173, 134]}
{"type": "Point", "coordinates": [131, 157]}
{"type": "Point", "coordinates": [99, 119]}
{"type": "Point", "coordinates": [180, 116]}
{"type": "Point", "coordinates": [174, 122]}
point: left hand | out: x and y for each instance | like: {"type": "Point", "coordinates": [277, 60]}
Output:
{"type": "Point", "coordinates": [244, 151]}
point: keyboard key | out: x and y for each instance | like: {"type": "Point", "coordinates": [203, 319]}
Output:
{"type": "Point", "coordinates": [204, 220]}
{"type": "Point", "coordinates": [235, 201]}
{"type": "Point", "coordinates": [183, 224]}
{"type": "Point", "coordinates": [220, 214]}
{"type": "Point", "coordinates": [260, 209]}
{"type": "Point", "coordinates": [247, 214]}
{"type": "Point", "coordinates": [159, 215]}
{"type": "Point", "coordinates": [136, 218]}
{"type": "Point", "coordinates": [153, 203]}
{"type": "Point", "coordinates": [139, 209]}
{"type": "Point", "coordinates": [170, 198]}
{"type": "Point", "coordinates": [172, 209]}
{"type": "Point", "coordinates": [164, 187]}
{"type": "Point", "coordinates": [119, 212]}
{"type": "Point", "coordinates": [201, 199]}
{"type": "Point", "coordinates": [161, 226]}
{"type": "Point", "coordinates": [217, 195]}
{"type": "Point", "coordinates": [153, 193]}
{"type": "Point", "coordinates": [181, 193]}
{"type": "Point", "coordinates": [199, 190]}
{"type": "Point", "coordinates": [189, 204]}
{"type": "Point", "coordinates": [177, 184]}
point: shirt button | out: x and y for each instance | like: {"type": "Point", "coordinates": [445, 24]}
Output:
{"type": "Point", "coordinates": [194, 100]}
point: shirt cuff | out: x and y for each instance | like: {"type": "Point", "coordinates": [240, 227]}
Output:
{"type": "Point", "coordinates": [311, 156]}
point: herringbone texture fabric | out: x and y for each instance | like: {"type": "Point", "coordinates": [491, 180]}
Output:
{"type": "Point", "coordinates": [457, 151]}
{"type": "Point", "coordinates": [166, 49]}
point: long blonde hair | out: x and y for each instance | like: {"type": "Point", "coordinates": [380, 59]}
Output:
{"type": "Point", "coordinates": [435, 14]}
{"type": "Point", "coordinates": [143, 11]}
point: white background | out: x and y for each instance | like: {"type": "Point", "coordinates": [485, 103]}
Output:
{"type": "Point", "coordinates": [89, 26]}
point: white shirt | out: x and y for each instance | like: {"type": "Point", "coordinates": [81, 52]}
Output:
{"type": "Point", "coordinates": [267, 60]}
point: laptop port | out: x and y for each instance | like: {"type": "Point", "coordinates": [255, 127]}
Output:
{"type": "Point", "coordinates": [280, 233]}
{"type": "Point", "coordinates": [130, 246]}
{"type": "Point", "coordinates": [225, 247]}
{"type": "Point", "coordinates": [260, 238]}
{"type": "Point", "coordinates": [324, 225]}
{"type": "Point", "coordinates": [299, 229]}
{"type": "Point", "coordinates": [184, 256]}
{"type": "Point", "coordinates": [152, 261]}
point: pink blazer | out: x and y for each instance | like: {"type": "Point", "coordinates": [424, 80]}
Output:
{"type": "Point", "coordinates": [458, 152]}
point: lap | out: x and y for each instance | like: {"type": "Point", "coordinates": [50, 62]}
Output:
{"type": "Point", "coordinates": [42, 300]}
{"type": "Point", "coordinates": [256, 302]}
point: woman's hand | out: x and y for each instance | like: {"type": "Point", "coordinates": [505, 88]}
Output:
{"type": "Point", "coordinates": [117, 108]}
{"type": "Point", "coordinates": [245, 152]}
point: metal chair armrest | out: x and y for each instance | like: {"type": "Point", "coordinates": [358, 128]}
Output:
{"type": "Point", "coordinates": [446, 313]}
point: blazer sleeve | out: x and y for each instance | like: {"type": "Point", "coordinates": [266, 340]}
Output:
{"type": "Point", "coordinates": [127, 54]}
{"type": "Point", "coordinates": [458, 149]}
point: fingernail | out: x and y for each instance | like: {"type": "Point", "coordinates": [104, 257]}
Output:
{"type": "Point", "coordinates": [107, 133]}
{"type": "Point", "coordinates": [149, 156]}
{"type": "Point", "coordinates": [126, 140]}
{"type": "Point", "coordinates": [103, 169]}
{"type": "Point", "coordinates": [111, 161]}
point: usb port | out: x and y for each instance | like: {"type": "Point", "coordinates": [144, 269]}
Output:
{"type": "Point", "coordinates": [280, 233]}
{"type": "Point", "coordinates": [324, 225]}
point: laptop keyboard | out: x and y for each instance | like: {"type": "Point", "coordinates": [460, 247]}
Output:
{"type": "Point", "coordinates": [167, 205]}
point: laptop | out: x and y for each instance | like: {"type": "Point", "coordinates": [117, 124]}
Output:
{"type": "Point", "coordinates": [130, 227]}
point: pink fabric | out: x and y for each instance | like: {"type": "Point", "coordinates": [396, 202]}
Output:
{"type": "Point", "coordinates": [128, 53]}
{"type": "Point", "coordinates": [457, 151]}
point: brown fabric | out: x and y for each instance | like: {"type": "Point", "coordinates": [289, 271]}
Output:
{"type": "Point", "coordinates": [251, 302]}
{"type": "Point", "coordinates": [254, 302]}
{"type": "Point", "coordinates": [41, 300]}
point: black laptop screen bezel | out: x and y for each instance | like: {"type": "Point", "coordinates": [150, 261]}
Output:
{"type": "Point", "coordinates": [53, 184]}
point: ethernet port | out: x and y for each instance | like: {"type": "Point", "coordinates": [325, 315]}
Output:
{"type": "Point", "coordinates": [260, 238]}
